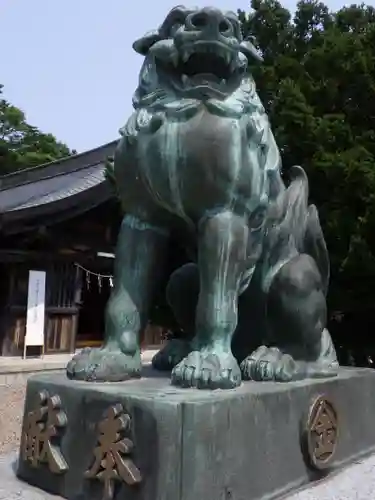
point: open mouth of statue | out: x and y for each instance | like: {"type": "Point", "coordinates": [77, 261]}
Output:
{"type": "Point", "coordinates": [207, 65]}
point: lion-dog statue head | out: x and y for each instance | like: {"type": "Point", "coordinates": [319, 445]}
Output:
{"type": "Point", "coordinates": [195, 53]}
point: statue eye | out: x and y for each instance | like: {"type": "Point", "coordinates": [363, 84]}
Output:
{"type": "Point", "coordinates": [257, 218]}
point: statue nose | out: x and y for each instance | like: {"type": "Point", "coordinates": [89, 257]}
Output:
{"type": "Point", "coordinates": [210, 21]}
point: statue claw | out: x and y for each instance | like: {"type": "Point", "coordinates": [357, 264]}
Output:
{"type": "Point", "coordinates": [207, 370]}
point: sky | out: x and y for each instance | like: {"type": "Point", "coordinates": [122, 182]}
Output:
{"type": "Point", "coordinates": [70, 66]}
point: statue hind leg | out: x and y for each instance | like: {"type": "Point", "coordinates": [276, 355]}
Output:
{"type": "Point", "coordinates": [182, 296]}
{"type": "Point", "coordinates": [295, 281]}
{"type": "Point", "coordinates": [296, 317]}
{"type": "Point", "coordinates": [139, 256]}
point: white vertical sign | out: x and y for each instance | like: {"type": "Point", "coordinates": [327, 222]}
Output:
{"type": "Point", "coordinates": [35, 309]}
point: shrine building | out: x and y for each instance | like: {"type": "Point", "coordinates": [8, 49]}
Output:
{"type": "Point", "coordinates": [62, 219]}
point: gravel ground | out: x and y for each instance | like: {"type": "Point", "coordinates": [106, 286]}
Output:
{"type": "Point", "coordinates": [356, 482]}
{"type": "Point", "coordinates": [11, 409]}
{"type": "Point", "coordinates": [13, 489]}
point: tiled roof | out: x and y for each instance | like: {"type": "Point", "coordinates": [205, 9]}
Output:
{"type": "Point", "coordinates": [57, 181]}
{"type": "Point", "coordinates": [51, 190]}
{"type": "Point", "coordinates": [63, 166]}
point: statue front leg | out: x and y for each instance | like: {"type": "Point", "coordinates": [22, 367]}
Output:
{"type": "Point", "coordinates": [139, 260]}
{"type": "Point", "coordinates": [222, 246]}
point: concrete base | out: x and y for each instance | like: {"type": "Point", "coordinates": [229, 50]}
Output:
{"type": "Point", "coordinates": [188, 444]}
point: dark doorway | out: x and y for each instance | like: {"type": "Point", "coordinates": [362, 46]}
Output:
{"type": "Point", "coordinates": [95, 295]}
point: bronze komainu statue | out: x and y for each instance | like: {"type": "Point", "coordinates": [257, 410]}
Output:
{"type": "Point", "coordinates": [198, 157]}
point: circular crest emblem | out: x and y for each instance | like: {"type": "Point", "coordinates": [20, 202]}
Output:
{"type": "Point", "coordinates": [320, 433]}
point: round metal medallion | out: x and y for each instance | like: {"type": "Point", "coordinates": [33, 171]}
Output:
{"type": "Point", "coordinates": [321, 433]}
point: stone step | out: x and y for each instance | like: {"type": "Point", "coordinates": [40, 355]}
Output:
{"type": "Point", "coordinates": [16, 369]}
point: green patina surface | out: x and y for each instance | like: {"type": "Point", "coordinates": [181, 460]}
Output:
{"type": "Point", "coordinates": [198, 154]}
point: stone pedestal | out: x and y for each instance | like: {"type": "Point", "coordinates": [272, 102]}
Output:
{"type": "Point", "coordinates": [245, 444]}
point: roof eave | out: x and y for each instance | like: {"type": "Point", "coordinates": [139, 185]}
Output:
{"type": "Point", "coordinates": [15, 221]}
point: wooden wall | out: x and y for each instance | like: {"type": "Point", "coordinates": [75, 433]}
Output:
{"type": "Point", "coordinates": [62, 294]}
{"type": "Point", "coordinates": [62, 306]}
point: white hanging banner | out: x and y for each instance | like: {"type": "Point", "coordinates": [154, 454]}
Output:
{"type": "Point", "coordinates": [35, 309]}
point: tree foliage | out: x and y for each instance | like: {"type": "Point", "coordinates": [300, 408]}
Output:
{"type": "Point", "coordinates": [318, 85]}
{"type": "Point", "coordinates": [21, 144]}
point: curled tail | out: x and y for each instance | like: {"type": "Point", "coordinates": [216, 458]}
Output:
{"type": "Point", "coordinates": [315, 245]}
{"type": "Point", "coordinates": [287, 219]}
{"type": "Point", "coordinates": [294, 228]}
{"type": "Point", "coordinates": [305, 224]}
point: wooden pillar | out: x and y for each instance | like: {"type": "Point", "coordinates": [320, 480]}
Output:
{"type": "Point", "coordinates": [77, 301]}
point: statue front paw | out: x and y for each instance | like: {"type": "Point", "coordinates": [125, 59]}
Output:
{"type": "Point", "coordinates": [207, 369]}
{"type": "Point", "coordinates": [103, 365]}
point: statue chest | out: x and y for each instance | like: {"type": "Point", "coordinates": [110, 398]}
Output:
{"type": "Point", "coordinates": [197, 164]}
{"type": "Point", "coordinates": [206, 145]}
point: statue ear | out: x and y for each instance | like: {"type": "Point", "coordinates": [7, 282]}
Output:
{"type": "Point", "coordinates": [143, 44]}
{"type": "Point", "coordinates": [250, 51]}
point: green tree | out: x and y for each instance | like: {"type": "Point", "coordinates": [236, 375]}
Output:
{"type": "Point", "coordinates": [318, 85]}
{"type": "Point", "coordinates": [21, 144]}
